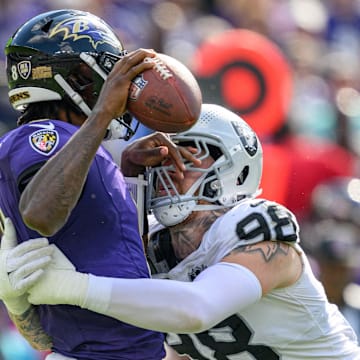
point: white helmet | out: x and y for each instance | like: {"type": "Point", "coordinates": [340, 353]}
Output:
{"type": "Point", "coordinates": [234, 175]}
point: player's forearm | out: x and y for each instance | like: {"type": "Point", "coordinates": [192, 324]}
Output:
{"type": "Point", "coordinates": [174, 306]}
{"type": "Point", "coordinates": [163, 305]}
{"type": "Point", "coordinates": [28, 325]}
{"type": "Point", "coordinates": [49, 198]}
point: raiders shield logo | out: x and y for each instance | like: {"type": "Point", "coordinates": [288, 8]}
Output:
{"type": "Point", "coordinates": [195, 271]}
{"type": "Point", "coordinates": [44, 141]}
{"type": "Point", "coordinates": [247, 137]}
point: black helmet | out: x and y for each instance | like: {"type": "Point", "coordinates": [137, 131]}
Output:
{"type": "Point", "coordinates": [61, 55]}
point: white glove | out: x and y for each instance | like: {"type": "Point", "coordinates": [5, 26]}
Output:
{"type": "Point", "coordinates": [20, 267]}
{"type": "Point", "coordinates": [60, 284]}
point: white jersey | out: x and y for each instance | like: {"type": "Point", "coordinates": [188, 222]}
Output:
{"type": "Point", "coordinates": [291, 323]}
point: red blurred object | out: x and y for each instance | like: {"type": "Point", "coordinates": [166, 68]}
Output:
{"type": "Point", "coordinates": [247, 73]}
{"type": "Point", "coordinates": [294, 167]}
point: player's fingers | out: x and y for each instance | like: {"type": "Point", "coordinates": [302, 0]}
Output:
{"type": "Point", "coordinates": [190, 155]}
{"type": "Point", "coordinates": [149, 150]}
{"type": "Point", "coordinates": [135, 61]}
{"type": "Point", "coordinates": [26, 283]}
{"type": "Point", "coordinates": [156, 156]}
{"type": "Point", "coordinates": [138, 69]}
{"type": "Point", "coordinates": [150, 157]}
{"type": "Point", "coordinates": [137, 56]}
{"type": "Point", "coordinates": [24, 276]}
{"type": "Point", "coordinates": [27, 269]}
{"type": "Point", "coordinates": [28, 246]}
{"type": "Point", "coordinates": [179, 155]}
{"type": "Point", "coordinates": [15, 262]}
{"type": "Point", "coordinates": [173, 151]}
{"type": "Point", "coordinates": [140, 56]}
{"type": "Point", "coordinates": [158, 148]}
{"type": "Point", "coordinates": [8, 240]}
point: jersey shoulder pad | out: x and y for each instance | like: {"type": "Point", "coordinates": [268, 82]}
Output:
{"type": "Point", "coordinates": [255, 220]}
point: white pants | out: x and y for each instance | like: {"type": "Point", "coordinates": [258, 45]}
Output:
{"type": "Point", "coordinates": [55, 356]}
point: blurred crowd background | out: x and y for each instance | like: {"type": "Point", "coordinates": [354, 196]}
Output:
{"type": "Point", "coordinates": [311, 156]}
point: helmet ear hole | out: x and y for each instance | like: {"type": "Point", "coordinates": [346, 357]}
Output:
{"type": "Point", "coordinates": [243, 175]}
{"type": "Point", "coordinates": [210, 190]}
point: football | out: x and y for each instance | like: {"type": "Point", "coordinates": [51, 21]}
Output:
{"type": "Point", "coordinates": [166, 97]}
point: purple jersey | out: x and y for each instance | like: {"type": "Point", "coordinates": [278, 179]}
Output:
{"type": "Point", "coordinates": [100, 237]}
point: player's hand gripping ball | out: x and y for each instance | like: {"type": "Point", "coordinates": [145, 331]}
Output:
{"type": "Point", "coordinates": [166, 97]}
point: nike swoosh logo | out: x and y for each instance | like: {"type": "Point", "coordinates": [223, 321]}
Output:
{"type": "Point", "coordinates": [49, 126]}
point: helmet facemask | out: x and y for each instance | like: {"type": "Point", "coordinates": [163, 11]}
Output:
{"type": "Point", "coordinates": [164, 198]}
{"type": "Point", "coordinates": [234, 174]}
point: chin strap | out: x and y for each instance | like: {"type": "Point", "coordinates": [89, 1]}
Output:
{"type": "Point", "coordinates": [74, 96]}
{"type": "Point", "coordinates": [91, 62]}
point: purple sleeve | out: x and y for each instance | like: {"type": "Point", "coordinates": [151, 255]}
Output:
{"type": "Point", "coordinates": [23, 151]}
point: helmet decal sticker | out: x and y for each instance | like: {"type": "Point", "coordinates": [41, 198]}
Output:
{"type": "Point", "coordinates": [247, 137]}
{"type": "Point", "coordinates": [24, 69]}
{"type": "Point", "coordinates": [23, 95]}
{"type": "Point", "coordinates": [83, 29]}
{"type": "Point", "coordinates": [195, 271]}
{"type": "Point", "coordinates": [137, 86]}
{"type": "Point", "coordinates": [44, 141]}
{"type": "Point", "coordinates": [42, 72]}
